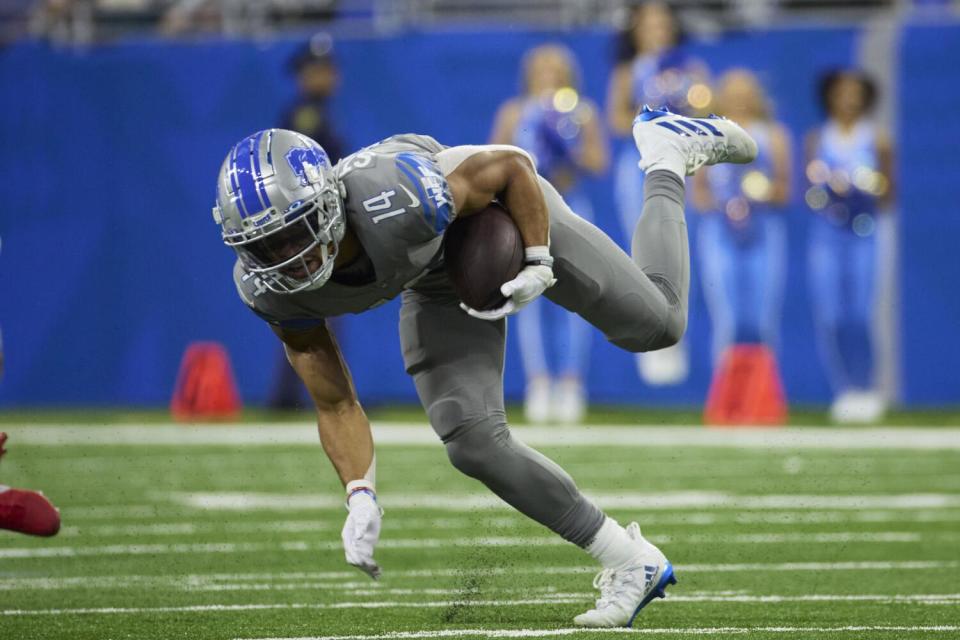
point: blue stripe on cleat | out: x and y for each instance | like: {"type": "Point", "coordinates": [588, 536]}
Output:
{"type": "Point", "coordinates": [708, 125]}
{"type": "Point", "coordinates": [647, 114]}
{"type": "Point", "coordinates": [659, 591]}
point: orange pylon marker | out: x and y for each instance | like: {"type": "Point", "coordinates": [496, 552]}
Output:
{"type": "Point", "coordinates": [746, 389]}
{"type": "Point", "coordinates": [206, 388]}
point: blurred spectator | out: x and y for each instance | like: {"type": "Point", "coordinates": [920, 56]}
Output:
{"type": "Point", "coordinates": [192, 16]}
{"type": "Point", "coordinates": [561, 129]}
{"type": "Point", "coordinates": [849, 166]}
{"type": "Point", "coordinates": [652, 68]}
{"type": "Point", "coordinates": [742, 236]}
{"type": "Point", "coordinates": [317, 78]}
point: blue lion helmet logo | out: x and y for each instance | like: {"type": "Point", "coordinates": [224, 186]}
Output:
{"type": "Point", "coordinates": [306, 163]}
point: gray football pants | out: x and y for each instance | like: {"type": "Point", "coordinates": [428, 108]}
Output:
{"type": "Point", "coordinates": [456, 361]}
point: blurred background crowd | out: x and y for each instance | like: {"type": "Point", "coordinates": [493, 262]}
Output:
{"type": "Point", "coordinates": [833, 252]}
{"type": "Point", "coordinates": [96, 20]}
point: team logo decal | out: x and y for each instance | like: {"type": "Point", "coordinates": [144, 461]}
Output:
{"type": "Point", "coordinates": [306, 163]}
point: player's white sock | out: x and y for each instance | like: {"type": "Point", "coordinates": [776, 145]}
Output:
{"type": "Point", "coordinates": [667, 160]}
{"type": "Point", "coordinates": [612, 547]}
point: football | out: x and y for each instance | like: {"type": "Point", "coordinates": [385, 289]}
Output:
{"type": "Point", "coordinates": [481, 252]}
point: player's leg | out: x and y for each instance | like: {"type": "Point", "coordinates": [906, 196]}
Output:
{"type": "Point", "coordinates": [457, 365]}
{"type": "Point", "coordinates": [639, 306]}
{"type": "Point", "coordinates": [668, 365]}
{"type": "Point", "coordinates": [639, 303]}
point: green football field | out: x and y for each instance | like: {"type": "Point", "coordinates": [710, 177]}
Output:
{"type": "Point", "coordinates": [233, 532]}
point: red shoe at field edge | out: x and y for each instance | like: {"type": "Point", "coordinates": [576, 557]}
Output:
{"type": "Point", "coordinates": [27, 511]}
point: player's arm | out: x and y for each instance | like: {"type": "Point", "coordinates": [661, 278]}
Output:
{"type": "Point", "coordinates": [508, 174]}
{"type": "Point", "coordinates": [344, 428]}
{"type": "Point", "coordinates": [344, 434]}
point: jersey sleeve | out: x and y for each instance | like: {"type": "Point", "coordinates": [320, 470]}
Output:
{"type": "Point", "coordinates": [426, 188]}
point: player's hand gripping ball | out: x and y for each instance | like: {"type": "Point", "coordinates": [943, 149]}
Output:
{"type": "Point", "coordinates": [485, 260]}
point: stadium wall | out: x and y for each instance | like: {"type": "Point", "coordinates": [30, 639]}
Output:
{"type": "Point", "coordinates": [111, 262]}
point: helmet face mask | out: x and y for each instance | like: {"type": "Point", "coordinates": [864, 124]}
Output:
{"type": "Point", "coordinates": [280, 209]}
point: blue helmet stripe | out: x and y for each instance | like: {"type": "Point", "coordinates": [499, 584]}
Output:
{"type": "Point", "coordinates": [262, 188]}
{"type": "Point", "coordinates": [247, 192]}
{"type": "Point", "coordinates": [233, 180]}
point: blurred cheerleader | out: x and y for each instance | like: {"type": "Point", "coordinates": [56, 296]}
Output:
{"type": "Point", "coordinates": [560, 128]}
{"type": "Point", "coordinates": [652, 68]}
{"type": "Point", "coordinates": [742, 236]}
{"type": "Point", "coordinates": [849, 166]}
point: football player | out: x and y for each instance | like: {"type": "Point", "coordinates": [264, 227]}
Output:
{"type": "Point", "coordinates": [315, 240]}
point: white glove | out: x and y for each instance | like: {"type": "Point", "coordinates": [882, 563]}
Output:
{"type": "Point", "coordinates": [535, 278]}
{"type": "Point", "coordinates": [361, 531]}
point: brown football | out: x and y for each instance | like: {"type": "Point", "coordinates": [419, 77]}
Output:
{"type": "Point", "coordinates": [481, 252]}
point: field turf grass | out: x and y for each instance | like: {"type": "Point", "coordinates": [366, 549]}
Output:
{"type": "Point", "coordinates": [230, 537]}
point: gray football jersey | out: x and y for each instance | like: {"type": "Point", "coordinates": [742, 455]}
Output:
{"type": "Point", "coordinates": [398, 204]}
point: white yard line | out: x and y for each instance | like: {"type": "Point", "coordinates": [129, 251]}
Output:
{"type": "Point", "coordinates": [841, 537]}
{"type": "Point", "coordinates": [560, 598]}
{"type": "Point", "coordinates": [243, 525]}
{"type": "Point", "coordinates": [241, 501]}
{"type": "Point", "coordinates": [193, 522]}
{"type": "Point", "coordinates": [351, 579]}
{"type": "Point", "coordinates": [379, 604]}
{"type": "Point", "coordinates": [548, 633]}
{"type": "Point", "coordinates": [420, 434]}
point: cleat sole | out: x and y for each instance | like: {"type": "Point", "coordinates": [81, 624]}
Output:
{"type": "Point", "coordinates": [660, 591]}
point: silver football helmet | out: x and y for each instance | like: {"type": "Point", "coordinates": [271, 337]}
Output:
{"type": "Point", "coordinates": [280, 207]}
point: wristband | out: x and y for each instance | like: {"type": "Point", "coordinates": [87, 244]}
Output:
{"type": "Point", "coordinates": [359, 486]}
{"type": "Point", "coordinates": [540, 255]}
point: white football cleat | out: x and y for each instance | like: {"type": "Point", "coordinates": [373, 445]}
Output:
{"type": "Point", "coordinates": [624, 592]}
{"type": "Point", "coordinates": [683, 145]}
